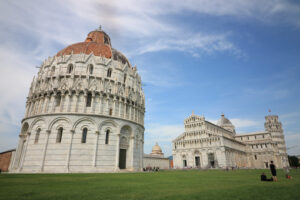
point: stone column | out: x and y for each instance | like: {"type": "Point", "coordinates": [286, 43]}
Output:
{"type": "Point", "coordinates": [70, 150]}
{"type": "Point", "coordinates": [117, 152]}
{"type": "Point", "coordinates": [84, 102]}
{"type": "Point", "coordinates": [131, 150]}
{"type": "Point", "coordinates": [18, 156]}
{"type": "Point", "coordinates": [45, 149]}
{"type": "Point", "coordinates": [133, 112]}
{"type": "Point", "coordinates": [42, 104]}
{"type": "Point", "coordinates": [107, 105]}
{"type": "Point", "coordinates": [76, 104]}
{"type": "Point", "coordinates": [100, 103]}
{"type": "Point", "coordinates": [46, 103]}
{"type": "Point", "coordinates": [93, 103]}
{"type": "Point", "coordinates": [25, 150]}
{"type": "Point", "coordinates": [62, 101]}
{"type": "Point", "coordinates": [130, 111]}
{"type": "Point", "coordinates": [96, 149]}
{"type": "Point", "coordinates": [53, 97]}
{"type": "Point", "coordinates": [125, 105]}
{"type": "Point", "coordinates": [141, 153]}
{"type": "Point", "coordinates": [69, 102]}
{"type": "Point", "coordinates": [28, 104]}
{"type": "Point", "coordinates": [120, 105]}
{"type": "Point", "coordinates": [114, 107]}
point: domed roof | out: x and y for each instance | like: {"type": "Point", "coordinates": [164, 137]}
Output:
{"type": "Point", "coordinates": [156, 149]}
{"type": "Point", "coordinates": [223, 121]}
{"type": "Point", "coordinates": [226, 124]}
{"type": "Point", "coordinates": [97, 42]}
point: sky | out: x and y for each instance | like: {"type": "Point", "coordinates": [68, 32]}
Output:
{"type": "Point", "coordinates": [240, 58]}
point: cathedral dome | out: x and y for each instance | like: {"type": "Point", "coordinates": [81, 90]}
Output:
{"type": "Point", "coordinates": [226, 124]}
{"type": "Point", "coordinates": [223, 121]}
{"type": "Point", "coordinates": [156, 150]}
{"type": "Point", "coordinates": [97, 43]}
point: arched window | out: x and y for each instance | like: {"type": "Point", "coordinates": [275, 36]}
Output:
{"type": "Point", "coordinates": [84, 134]}
{"type": "Point", "coordinates": [70, 68]}
{"type": "Point", "coordinates": [58, 99]}
{"type": "Point", "coordinates": [109, 71]}
{"type": "Point", "coordinates": [37, 135]}
{"type": "Point", "coordinates": [59, 135]}
{"type": "Point", "coordinates": [106, 40]}
{"type": "Point", "coordinates": [91, 69]}
{"type": "Point", "coordinates": [125, 75]}
{"type": "Point", "coordinates": [107, 137]}
{"type": "Point", "coordinates": [89, 100]}
{"type": "Point", "coordinates": [52, 70]}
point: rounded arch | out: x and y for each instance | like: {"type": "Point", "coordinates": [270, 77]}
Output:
{"type": "Point", "coordinates": [25, 128]}
{"type": "Point", "coordinates": [84, 119]}
{"type": "Point", "coordinates": [35, 121]}
{"type": "Point", "coordinates": [109, 121]}
{"type": "Point", "coordinates": [126, 129]}
{"type": "Point", "coordinates": [58, 119]}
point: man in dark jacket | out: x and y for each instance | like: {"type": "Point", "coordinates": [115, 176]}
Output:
{"type": "Point", "coordinates": [273, 171]}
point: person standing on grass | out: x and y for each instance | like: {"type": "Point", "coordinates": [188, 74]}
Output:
{"type": "Point", "coordinates": [273, 171]}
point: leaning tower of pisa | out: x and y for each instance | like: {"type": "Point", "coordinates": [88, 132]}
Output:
{"type": "Point", "coordinates": [274, 126]}
{"type": "Point", "coordinates": [84, 112]}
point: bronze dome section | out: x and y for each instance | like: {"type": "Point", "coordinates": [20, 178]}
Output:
{"type": "Point", "coordinates": [97, 43]}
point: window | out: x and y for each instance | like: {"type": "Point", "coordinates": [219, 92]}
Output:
{"type": "Point", "coordinates": [255, 157]}
{"type": "Point", "coordinates": [37, 135]}
{"type": "Point", "coordinates": [70, 68]}
{"type": "Point", "coordinates": [125, 76]}
{"type": "Point", "coordinates": [84, 134]}
{"type": "Point", "coordinates": [59, 135]}
{"type": "Point", "coordinates": [52, 70]}
{"type": "Point", "coordinates": [89, 100]}
{"type": "Point", "coordinates": [106, 40]}
{"type": "Point", "coordinates": [184, 163]}
{"type": "Point", "coordinates": [110, 111]}
{"type": "Point", "coordinates": [107, 137]}
{"type": "Point", "coordinates": [58, 99]}
{"type": "Point", "coordinates": [109, 72]}
{"type": "Point", "coordinates": [91, 69]}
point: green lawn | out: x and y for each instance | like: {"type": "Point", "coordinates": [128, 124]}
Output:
{"type": "Point", "coordinates": [193, 184]}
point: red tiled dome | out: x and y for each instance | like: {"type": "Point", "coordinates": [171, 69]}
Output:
{"type": "Point", "coordinates": [97, 42]}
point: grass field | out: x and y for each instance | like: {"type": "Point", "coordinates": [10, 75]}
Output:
{"type": "Point", "coordinates": [193, 184]}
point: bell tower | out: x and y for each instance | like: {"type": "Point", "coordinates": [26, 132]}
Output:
{"type": "Point", "coordinates": [274, 126]}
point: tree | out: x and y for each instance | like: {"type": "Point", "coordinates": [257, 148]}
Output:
{"type": "Point", "coordinates": [294, 161]}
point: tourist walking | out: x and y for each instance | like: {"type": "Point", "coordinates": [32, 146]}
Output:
{"type": "Point", "coordinates": [273, 171]}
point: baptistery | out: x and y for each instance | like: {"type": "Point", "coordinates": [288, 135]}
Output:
{"type": "Point", "coordinates": [84, 112]}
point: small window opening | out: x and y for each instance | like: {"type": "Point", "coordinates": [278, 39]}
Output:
{"type": "Point", "coordinates": [59, 135]}
{"type": "Point", "coordinates": [255, 157]}
{"type": "Point", "coordinates": [70, 68]}
{"type": "Point", "coordinates": [110, 111]}
{"type": "Point", "coordinates": [109, 71]}
{"type": "Point", "coordinates": [125, 76]}
{"type": "Point", "coordinates": [91, 69]}
{"type": "Point", "coordinates": [89, 100]}
{"type": "Point", "coordinates": [37, 136]}
{"type": "Point", "coordinates": [84, 134]}
{"type": "Point", "coordinates": [58, 99]}
{"type": "Point", "coordinates": [107, 137]}
{"type": "Point", "coordinates": [106, 40]}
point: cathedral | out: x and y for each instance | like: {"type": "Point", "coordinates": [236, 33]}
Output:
{"type": "Point", "coordinates": [84, 112]}
{"type": "Point", "coordinates": [208, 145]}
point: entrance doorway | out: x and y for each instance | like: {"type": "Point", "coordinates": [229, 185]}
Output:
{"type": "Point", "coordinates": [184, 163]}
{"type": "Point", "coordinates": [211, 160]}
{"type": "Point", "coordinates": [197, 161]}
{"type": "Point", "coordinates": [122, 159]}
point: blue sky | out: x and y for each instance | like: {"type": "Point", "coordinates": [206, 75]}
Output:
{"type": "Point", "coordinates": [207, 56]}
